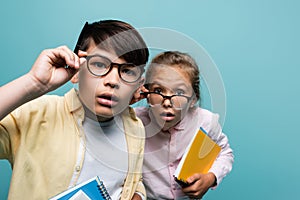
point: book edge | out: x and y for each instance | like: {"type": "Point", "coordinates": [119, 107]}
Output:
{"type": "Point", "coordinates": [177, 171]}
{"type": "Point", "coordinates": [69, 190]}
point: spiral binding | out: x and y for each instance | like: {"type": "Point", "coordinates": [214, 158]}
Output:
{"type": "Point", "coordinates": [104, 191]}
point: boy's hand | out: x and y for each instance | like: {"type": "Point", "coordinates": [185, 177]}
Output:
{"type": "Point", "coordinates": [53, 68]}
{"type": "Point", "coordinates": [199, 185]}
{"type": "Point", "coordinates": [47, 73]}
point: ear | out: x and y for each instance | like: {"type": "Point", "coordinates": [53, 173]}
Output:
{"type": "Point", "coordinates": [74, 79]}
{"type": "Point", "coordinates": [136, 96]}
{"type": "Point", "coordinates": [193, 102]}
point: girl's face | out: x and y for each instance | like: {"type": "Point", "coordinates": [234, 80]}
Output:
{"type": "Point", "coordinates": [168, 81]}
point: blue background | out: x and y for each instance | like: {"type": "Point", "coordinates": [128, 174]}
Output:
{"type": "Point", "coordinates": [255, 45]}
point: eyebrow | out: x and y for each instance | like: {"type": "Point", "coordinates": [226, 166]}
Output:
{"type": "Point", "coordinates": [181, 86]}
{"type": "Point", "coordinates": [111, 62]}
{"type": "Point", "coordinates": [97, 54]}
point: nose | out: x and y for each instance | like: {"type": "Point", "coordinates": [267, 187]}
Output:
{"type": "Point", "coordinates": [166, 102]}
{"type": "Point", "coordinates": [112, 79]}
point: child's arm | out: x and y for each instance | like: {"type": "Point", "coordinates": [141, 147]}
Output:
{"type": "Point", "coordinates": [48, 73]}
{"type": "Point", "coordinates": [223, 164]}
{"type": "Point", "coordinates": [200, 183]}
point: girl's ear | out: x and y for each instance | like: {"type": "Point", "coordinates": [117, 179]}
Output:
{"type": "Point", "coordinates": [74, 79]}
{"type": "Point", "coordinates": [193, 102]}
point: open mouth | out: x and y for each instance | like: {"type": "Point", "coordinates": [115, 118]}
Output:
{"type": "Point", "coordinates": [107, 100]}
{"type": "Point", "coordinates": [167, 116]}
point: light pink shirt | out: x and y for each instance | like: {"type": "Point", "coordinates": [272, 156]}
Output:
{"type": "Point", "coordinates": [164, 149]}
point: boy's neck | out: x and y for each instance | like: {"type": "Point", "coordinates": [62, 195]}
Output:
{"type": "Point", "coordinates": [93, 116]}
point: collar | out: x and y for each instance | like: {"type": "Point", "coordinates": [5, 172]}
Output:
{"type": "Point", "coordinates": [72, 100]}
{"type": "Point", "coordinates": [183, 123]}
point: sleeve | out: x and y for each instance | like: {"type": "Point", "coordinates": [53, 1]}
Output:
{"type": "Point", "coordinates": [141, 195]}
{"type": "Point", "coordinates": [223, 164]}
{"type": "Point", "coordinates": [140, 186]}
{"type": "Point", "coordinates": [9, 137]}
{"type": "Point", "coordinates": [136, 141]}
{"type": "Point", "coordinates": [141, 190]}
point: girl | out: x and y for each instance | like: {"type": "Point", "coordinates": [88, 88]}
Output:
{"type": "Point", "coordinates": [171, 120]}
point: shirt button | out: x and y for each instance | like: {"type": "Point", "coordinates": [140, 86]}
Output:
{"type": "Point", "coordinates": [77, 168]}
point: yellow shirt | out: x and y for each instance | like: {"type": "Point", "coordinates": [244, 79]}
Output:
{"type": "Point", "coordinates": [41, 141]}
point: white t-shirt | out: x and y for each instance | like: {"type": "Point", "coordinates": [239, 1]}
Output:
{"type": "Point", "coordinates": [106, 154]}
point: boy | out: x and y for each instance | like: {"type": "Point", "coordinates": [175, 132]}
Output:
{"type": "Point", "coordinates": [54, 143]}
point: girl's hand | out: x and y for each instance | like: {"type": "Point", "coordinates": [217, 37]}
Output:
{"type": "Point", "coordinates": [199, 185]}
{"type": "Point", "coordinates": [139, 95]}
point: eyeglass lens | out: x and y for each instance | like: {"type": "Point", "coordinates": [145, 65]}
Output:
{"type": "Point", "coordinates": [100, 66]}
{"type": "Point", "coordinates": [156, 99]}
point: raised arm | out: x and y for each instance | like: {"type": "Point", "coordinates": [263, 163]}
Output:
{"type": "Point", "coordinates": [47, 73]}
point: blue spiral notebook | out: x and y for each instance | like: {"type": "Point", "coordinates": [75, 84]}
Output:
{"type": "Point", "coordinates": [91, 189]}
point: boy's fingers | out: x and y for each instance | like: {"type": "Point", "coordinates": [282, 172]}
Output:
{"type": "Point", "coordinates": [81, 61]}
{"type": "Point", "coordinates": [82, 53]}
{"type": "Point", "coordinates": [69, 57]}
{"type": "Point", "coordinates": [68, 52]}
{"type": "Point", "coordinates": [77, 61]}
{"type": "Point", "coordinates": [73, 61]}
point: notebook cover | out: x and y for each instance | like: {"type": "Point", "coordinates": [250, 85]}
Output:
{"type": "Point", "coordinates": [93, 189]}
{"type": "Point", "coordinates": [198, 157]}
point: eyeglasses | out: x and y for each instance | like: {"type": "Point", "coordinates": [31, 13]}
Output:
{"type": "Point", "coordinates": [177, 101]}
{"type": "Point", "coordinates": [100, 66]}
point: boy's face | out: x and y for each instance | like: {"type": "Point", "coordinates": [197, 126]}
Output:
{"type": "Point", "coordinates": [108, 95]}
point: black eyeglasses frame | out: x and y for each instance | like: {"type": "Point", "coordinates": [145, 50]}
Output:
{"type": "Point", "coordinates": [111, 65]}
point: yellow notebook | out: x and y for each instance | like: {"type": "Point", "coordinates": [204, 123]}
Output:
{"type": "Point", "coordinates": [198, 157]}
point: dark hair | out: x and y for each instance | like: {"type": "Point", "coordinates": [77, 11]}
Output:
{"type": "Point", "coordinates": [179, 60]}
{"type": "Point", "coordinates": [117, 36]}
